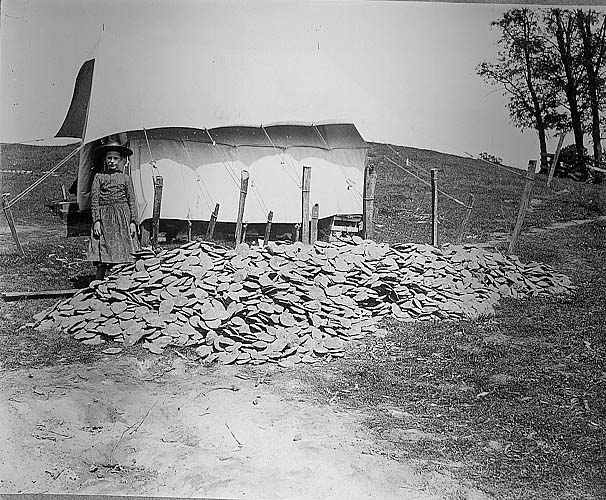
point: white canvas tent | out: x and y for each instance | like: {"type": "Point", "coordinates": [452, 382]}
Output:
{"type": "Point", "coordinates": [198, 117]}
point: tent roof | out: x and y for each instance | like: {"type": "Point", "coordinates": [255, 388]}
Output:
{"type": "Point", "coordinates": [133, 85]}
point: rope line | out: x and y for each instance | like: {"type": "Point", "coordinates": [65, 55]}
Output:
{"type": "Point", "coordinates": [43, 178]}
{"type": "Point", "coordinates": [282, 155]}
{"type": "Point", "coordinates": [508, 169]}
{"type": "Point", "coordinates": [321, 136]}
{"type": "Point", "coordinates": [227, 165]}
{"type": "Point", "coordinates": [419, 167]}
{"type": "Point", "coordinates": [204, 189]}
{"type": "Point", "coordinates": [428, 184]}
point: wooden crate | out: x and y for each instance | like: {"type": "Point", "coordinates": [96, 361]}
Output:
{"type": "Point", "coordinates": [344, 225]}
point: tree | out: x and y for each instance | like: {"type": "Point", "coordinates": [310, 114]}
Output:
{"type": "Point", "coordinates": [524, 72]}
{"type": "Point", "coordinates": [569, 74]}
{"type": "Point", "coordinates": [594, 52]}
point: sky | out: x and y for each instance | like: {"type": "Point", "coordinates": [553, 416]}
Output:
{"type": "Point", "coordinates": [417, 60]}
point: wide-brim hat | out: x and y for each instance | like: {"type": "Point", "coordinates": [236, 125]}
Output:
{"type": "Point", "coordinates": [113, 146]}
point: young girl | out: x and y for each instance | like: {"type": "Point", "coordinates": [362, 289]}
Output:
{"type": "Point", "coordinates": [114, 211]}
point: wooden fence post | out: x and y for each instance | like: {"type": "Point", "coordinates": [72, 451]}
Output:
{"type": "Point", "coordinates": [532, 165]}
{"type": "Point", "coordinates": [158, 185]}
{"type": "Point", "coordinates": [296, 232]}
{"type": "Point", "coordinates": [370, 183]}
{"type": "Point", "coordinates": [434, 207]}
{"type": "Point", "coordinates": [470, 203]}
{"type": "Point", "coordinates": [11, 222]}
{"type": "Point", "coordinates": [315, 213]}
{"type": "Point", "coordinates": [270, 218]}
{"type": "Point", "coordinates": [242, 201]}
{"type": "Point", "coordinates": [305, 185]}
{"type": "Point", "coordinates": [555, 159]}
{"type": "Point", "coordinates": [210, 230]}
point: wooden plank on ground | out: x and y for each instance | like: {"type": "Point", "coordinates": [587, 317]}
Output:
{"type": "Point", "coordinates": [39, 294]}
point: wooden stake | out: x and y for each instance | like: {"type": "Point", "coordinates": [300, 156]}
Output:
{"type": "Point", "coordinates": [210, 230]}
{"type": "Point", "coordinates": [370, 183]}
{"type": "Point", "coordinates": [532, 165]}
{"type": "Point", "coordinates": [555, 159]}
{"type": "Point", "coordinates": [158, 185]}
{"type": "Point", "coordinates": [270, 218]}
{"type": "Point", "coordinates": [244, 229]}
{"type": "Point", "coordinates": [241, 203]}
{"type": "Point", "coordinates": [40, 294]}
{"type": "Point", "coordinates": [434, 207]}
{"type": "Point", "coordinates": [296, 233]}
{"type": "Point", "coordinates": [11, 222]}
{"type": "Point", "coordinates": [63, 192]}
{"type": "Point", "coordinates": [188, 231]}
{"type": "Point", "coordinates": [470, 202]}
{"type": "Point", "coordinates": [305, 186]}
{"type": "Point", "coordinates": [315, 213]}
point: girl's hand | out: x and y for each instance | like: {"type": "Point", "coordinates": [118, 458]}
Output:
{"type": "Point", "coordinates": [133, 230]}
{"type": "Point", "coordinates": [97, 229]}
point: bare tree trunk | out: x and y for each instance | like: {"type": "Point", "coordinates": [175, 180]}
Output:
{"type": "Point", "coordinates": [593, 51]}
{"type": "Point", "coordinates": [536, 104]}
{"type": "Point", "coordinates": [564, 37]}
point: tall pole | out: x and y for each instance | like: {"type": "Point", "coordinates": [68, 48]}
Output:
{"type": "Point", "coordinates": [555, 159]}
{"type": "Point", "coordinates": [241, 203]}
{"type": "Point", "coordinates": [210, 230]}
{"type": "Point", "coordinates": [11, 222]}
{"type": "Point", "coordinates": [158, 185]}
{"type": "Point", "coordinates": [532, 165]}
{"type": "Point", "coordinates": [270, 218]}
{"type": "Point", "coordinates": [305, 186]}
{"type": "Point", "coordinates": [368, 208]}
{"type": "Point", "coordinates": [434, 207]}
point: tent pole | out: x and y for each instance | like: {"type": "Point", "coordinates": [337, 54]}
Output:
{"type": "Point", "coordinates": [370, 183]}
{"type": "Point", "coordinates": [315, 212]}
{"type": "Point", "coordinates": [158, 184]}
{"type": "Point", "coordinates": [555, 159]}
{"type": "Point", "coordinates": [434, 207]}
{"type": "Point", "coordinates": [210, 230]}
{"type": "Point", "coordinates": [270, 218]}
{"type": "Point", "coordinates": [11, 222]}
{"type": "Point", "coordinates": [524, 202]}
{"type": "Point", "coordinates": [241, 203]}
{"type": "Point", "coordinates": [305, 187]}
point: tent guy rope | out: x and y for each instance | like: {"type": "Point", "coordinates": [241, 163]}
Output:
{"type": "Point", "coordinates": [282, 156]}
{"type": "Point", "coordinates": [428, 184]}
{"type": "Point", "coordinates": [35, 184]}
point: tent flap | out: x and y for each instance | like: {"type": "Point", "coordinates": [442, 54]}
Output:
{"type": "Point", "coordinates": [74, 124]}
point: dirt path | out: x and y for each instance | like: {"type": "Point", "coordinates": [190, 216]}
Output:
{"type": "Point", "coordinates": [122, 426]}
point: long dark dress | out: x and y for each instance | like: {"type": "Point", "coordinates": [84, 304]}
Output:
{"type": "Point", "coordinates": [113, 203]}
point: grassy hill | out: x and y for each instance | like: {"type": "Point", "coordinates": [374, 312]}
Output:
{"type": "Point", "coordinates": [403, 203]}
{"type": "Point", "coordinates": [515, 403]}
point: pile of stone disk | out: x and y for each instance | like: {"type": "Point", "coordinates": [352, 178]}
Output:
{"type": "Point", "coordinates": [289, 303]}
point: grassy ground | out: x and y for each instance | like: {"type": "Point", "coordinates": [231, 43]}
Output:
{"type": "Point", "coordinates": [515, 402]}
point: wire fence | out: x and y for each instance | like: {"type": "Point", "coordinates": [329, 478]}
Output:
{"type": "Point", "coordinates": [404, 199]}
